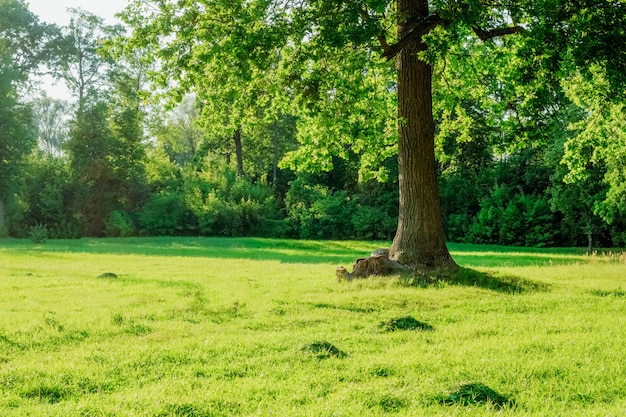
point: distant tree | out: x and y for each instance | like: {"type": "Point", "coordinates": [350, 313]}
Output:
{"type": "Point", "coordinates": [126, 118]}
{"type": "Point", "coordinates": [23, 47]}
{"type": "Point", "coordinates": [181, 136]}
{"type": "Point", "coordinates": [589, 183]}
{"type": "Point", "coordinates": [52, 120]}
{"type": "Point", "coordinates": [17, 136]}
{"type": "Point", "coordinates": [89, 150]}
{"type": "Point", "coordinates": [79, 61]}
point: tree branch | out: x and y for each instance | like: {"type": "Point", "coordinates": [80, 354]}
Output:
{"type": "Point", "coordinates": [484, 35]}
{"type": "Point", "coordinates": [413, 29]}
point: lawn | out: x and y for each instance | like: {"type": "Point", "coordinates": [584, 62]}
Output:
{"type": "Point", "coordinates": [195, 327]}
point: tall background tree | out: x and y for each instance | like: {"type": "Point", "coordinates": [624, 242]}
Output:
{"type": "Point", "coordinates": [23, 47]}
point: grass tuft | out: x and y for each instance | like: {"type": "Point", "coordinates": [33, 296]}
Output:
{"type": "Point", "coordinates": [609, 293]}
{"type": "Point", "coordinates": [184, 410]}
{"type": "Point", "coordinates": [387, 403]}
{"type": "Point", "coordinates": [404, 323]}
{"type": "Point", "coordinates": [323, 350]}
{"type": "Point", "coordinates": [476, 393]}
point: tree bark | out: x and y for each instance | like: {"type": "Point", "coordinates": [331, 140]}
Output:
{"type": "Point", "coordinates": [420, 238]}
{"type": "Point", "coordinates": [2, 221]}
{"type": "Point", "coordinates": [276, 148]}
{"type": "Point", "coordinates": [238, 151]}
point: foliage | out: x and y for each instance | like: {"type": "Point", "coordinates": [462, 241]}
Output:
{"type": "Point", "coordinates": [38, 233]}
{"type": "Point", "coordinates": [49, 194]}
{"type": "Point", "coordinates": [23, 47]}
{"type": "Point", "coordinates": [51, 117]}
{"type": "Point", "coordinates": [598, 142]}
{"type": "Point", "coordinates": [119, 224]}
{"type": "Point", "coordinates": [316, 211]}
{"type": "Point", "coordinates": [209, 199]}
{"type": "Point", "coordinates": [78, 59]}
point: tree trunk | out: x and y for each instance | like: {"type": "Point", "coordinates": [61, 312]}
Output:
{"type": "Point", "coordinates": [420, 238]}
{"type": "Point", "coordinates": [238, 152]}
{"type": "Point", "coordinates": [275, 146]}
{"type": "Point", "coordinates": [2, 221]}
{"type": "Point", "coordinates": [588, 229]}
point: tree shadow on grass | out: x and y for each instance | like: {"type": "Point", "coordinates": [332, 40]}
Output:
{"type": "Point", "coordinates": [265, 249]}
{"type": "Point", "coordinates": [509, 284]}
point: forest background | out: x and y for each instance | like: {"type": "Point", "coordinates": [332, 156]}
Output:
{"type": "Point", "coordinates": [530, 152]}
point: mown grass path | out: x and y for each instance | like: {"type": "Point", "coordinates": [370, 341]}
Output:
{"type": "Point", "coordinates": [254, 327]}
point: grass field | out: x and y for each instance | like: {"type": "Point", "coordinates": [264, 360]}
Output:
{"type": "Point", "coordinates": [195, 327]}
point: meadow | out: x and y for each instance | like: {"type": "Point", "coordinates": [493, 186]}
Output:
{"type": "Point", "coordinates": [192, 327]}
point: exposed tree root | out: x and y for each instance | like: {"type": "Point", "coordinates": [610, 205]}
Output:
{"type": "Point", "coordinates": [379, 263]}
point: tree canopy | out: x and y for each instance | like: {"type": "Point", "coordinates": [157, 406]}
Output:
{"type": "Point", "coordinates": [325, 60]}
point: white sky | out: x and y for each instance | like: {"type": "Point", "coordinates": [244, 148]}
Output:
{"type": "Point", "coordinates": [55, 11]}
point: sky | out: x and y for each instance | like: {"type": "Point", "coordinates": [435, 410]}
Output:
{"type": "Point", "coordinates": [55, 11]}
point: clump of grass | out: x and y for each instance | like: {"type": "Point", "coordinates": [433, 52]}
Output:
{"type": "Point", "coordinates": [383, 371]}
{"type": "Point", "coordinates": [52, 321]}
{"type": "Point", "coordinates": [404, 323]}
{"type": "Point", "coordinates": [131, 325]}
{"type": "Point", "coordinates": [607, 256]}
{"type": "Point", "coordinates": [323, 350]}
{"type": "Point", "coordinates": [610, 293]}
{"type": "Point", "coordinates": [46, 392]}
{"type": "Point", "coordinates": [476, 393]}
{"type": "Point", "coordinates": [387, 403]}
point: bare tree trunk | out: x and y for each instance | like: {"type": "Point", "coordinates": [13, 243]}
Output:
{"type": "Point", "coordinates": [238, 151]}
{"type": "Point", "coordinates": [275, 146]}
{"type": "Point", "coordinates": [420, 237]}
{"type": "Point", "coordinates": [589, 232]}
{"type": "Point", "coordinates": [2, 220]}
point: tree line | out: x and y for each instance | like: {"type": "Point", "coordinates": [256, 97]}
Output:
{"type": "Point", "coordinates": [218, 123]}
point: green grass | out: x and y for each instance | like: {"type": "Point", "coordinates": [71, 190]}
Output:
{"type": "Point", "coordinates": [193, 327]}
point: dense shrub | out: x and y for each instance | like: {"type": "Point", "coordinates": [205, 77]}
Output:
{"type": "Point", "coordinates": [38, 233]}
{"type": "Point", "coordinates": [165, 214]}
{"type": "Point", "coordinates": [316, 212]}
{"type": "Point", "coordinates": [120, 224]}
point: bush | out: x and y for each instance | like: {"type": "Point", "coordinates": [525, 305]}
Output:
{"type": "Point", "coordinates": [318, 213]}
{"type": "Point", "coordinates": [371, 223]}
{"type": "Point", "coordinates": [165, 215]}
{"type": "Point", "coordinates": [119, 224]}
{"type": "Point", "coordinates": [38, 233]}
{"type": "Point", "coordinates": [66, 229]}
